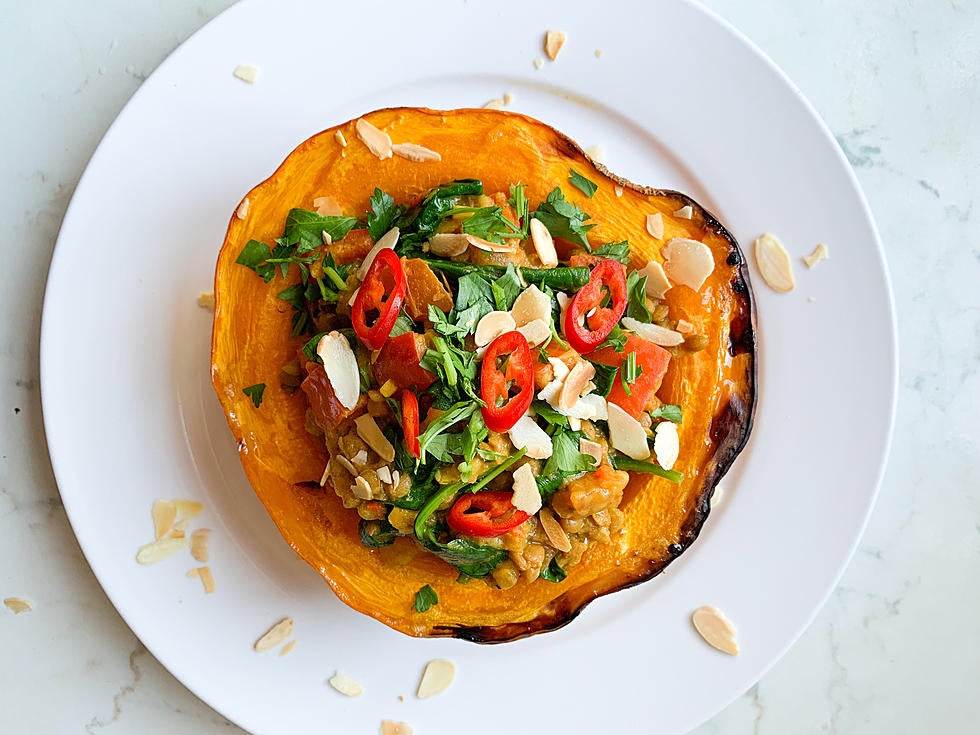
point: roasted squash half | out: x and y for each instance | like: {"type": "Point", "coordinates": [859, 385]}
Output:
{"type": "Point", "coordinates": [284, 463]}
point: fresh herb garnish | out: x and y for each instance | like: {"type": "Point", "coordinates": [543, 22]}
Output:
{"type": "Point", "coordinates": [549, 414]}
{"type": "Point", "coordinates": [419, 223]}
{"type": "Point", "coordinates": [561, 279]}
{"type": "Point", "coordinates": [629, 371]}
{"type": "Point", "coordinates": [518, 202]}
{"type": "Point", "coordinates": [565, 455]}
{"type": "Point", "coordinates": [382, 214]}
{"type": "Point", "coordinates": [616, 339]}
{"type": "Point", "coordinates": [507, 288]}
{"type": "Point", "coordinates": [581, 183]}
{"type": "Point", "coordinates": [668, 412]}
{"type": "Point", "coordinates": [305, 229]}
{"type": "Point", "coordinates": [636, 304]}
{"type": "Point", "coordinates": [616, 250]}
{"type": "Point", "coordinates": [425, 598]}
{"type": "Point", "coordinates": [563, 219]}
{"type": "Point", "coordinates": [488, 223]}
{"type": "Point", "coordinates": [255, 392]}
{"type": "Point", "coordinates": [622, 462]}
{"type": "Point", "coordinates": [254, 254]}
{"type": "Point", "coordinates": [375, 534]}
{"type": "Point", "coordinates": [459, 412]}
{"type": "Point", "coordinates": [604, 378]}
{"type": "Point", "coordinates": [553, 572]}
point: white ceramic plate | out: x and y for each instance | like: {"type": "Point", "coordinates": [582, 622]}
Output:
{"type": "Point", "coordinates": [679, 100]}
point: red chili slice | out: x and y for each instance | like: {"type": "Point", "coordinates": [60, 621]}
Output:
{"type": "Point", "coordinates": [506, 366]}
{"type": "Point", "coordinates": [385, 275]}
{"type": "Point", "coordinates": [485, 514]}
{"type": "Point", "coordinates": [410, 422]}
{"type": "Point", "coordinates": [585, 333]}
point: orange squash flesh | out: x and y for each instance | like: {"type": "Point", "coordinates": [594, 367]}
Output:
{"type": "Point", "coordinates": [283, 462]}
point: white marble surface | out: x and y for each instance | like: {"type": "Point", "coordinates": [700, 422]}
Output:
{"type": "Point", "coordinates": [897, 647]}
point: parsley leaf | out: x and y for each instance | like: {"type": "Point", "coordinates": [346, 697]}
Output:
{"type": "Point", "coordinates": [629, 372]}
{"type": "Point", "coordinates": [668, 412]}
{"type": "Point", "coordinates": [488, 223]}
{"type": "Point", "coordinates": [425, 598]}
{"type": "Point", "coordinates": [553, 572]}
{"type": "Point", "coordinates": [604, 378]}
{"type": "Point", "coordinates": [565, 455]}
{"type": "Point", "coordinates": [383, 214]}
{"type": "Point", "coordinates": [507, 288]}
{"type": "Point", "coordinates": [305, 229]}
{"type": "Point", "coordinates": [518, 202]}
{"type": "Point", "coordinates": [474, 301]}
{"type": "Point", "coordinates": [550, 415]}
{"type": "Point", "coordinates": [294, 295]}
{"type": "Point", "coordinates": [253, 254]}
{"type": "Point", "coordinates": [563, 219]}
{"type": "Point", "coordinates": [616, 250]}
{"type": "Point", "coordinates": [255, 393]}
{"type": "Point", "coordinates": [581, 183]}
{"type": "Point", "coordinates": [461, 411]}
{"type": "Point", "coordinates": [636, 304]}
{"type": "Point", "coordinates": [616, 339]}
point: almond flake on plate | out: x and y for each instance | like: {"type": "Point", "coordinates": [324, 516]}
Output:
{"type": "Point", "coordinates": [495, 104]}
{"type": "Point", "coordinates": [242, 211]}
{"type": "Point", "coordinates": [597, 152]}
{"type": "Point", "coordinates": [716, 629]}
{"type": "Point", "coordinates": [655, 225]}
{"type": "Point", "coordinates": [206, 301]}
{"type": "Point", "coordinates": [390, 727]}
{"type": "Point", "coordinates": [204, 574]}
{"type": "Point", "coordinates": [819, 253]}
{"type": "Point", "coordinates": [287, 649]}
{"type": "Point", "coordinates": [774, 263]}
{"type": "Point", "coordinates": [159, 550]}
{"type": "Point", "coordinates": [415, 152]}
{"type": "Point", "coordinates": [553, 41]}
{"type": "Point", "coordinates": [275, 635]}
{"type": "Point", "coordinates": [247, 73]}
{"type": "Point", "coordinates": [377, 141]}
{"type": "Point", "coordinates": [188, 509]}
{"type": "Point", "coordinates": [438, 675]}
{"type": "Point", "coordinates": [345, 685]}
{"type": "Point", "coordinates": [508, 98]}
{"type": "Point", "coordinates": [538, 63]}
{"type": "Point", "coordinates": [199, 544]}
{"type": "Point", "coordinates": [164, 514]}
{"type": "Point", "coordinates": [17, 605]}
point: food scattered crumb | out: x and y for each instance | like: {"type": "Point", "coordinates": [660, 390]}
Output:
{"type": "Point", "coordinates": [538, 63]}
{"type": "Point", "coordinates": [199, 544]}
{"type": "Point", "coordinates": [401, 698]}
{"type": "Point", "coordinates": [508, 98]}
{"type": "Point", "coordinates": [598, 53]}
{"type": "Point", "coordinates": [438, 675]}
{"type": "Point", "coordinates": [345, 685]}
{"type": "Point", "coordinates": [773, 263]}
{"type": "Point", "coordinates": [206, 301]}
{"type": "Point", "coordinates": [553, 42]}
{"type": "Point", "coordinates": [247, 73]}
{"type": "Point", "coordinates": [285, 650]}
{"type": "Point", "coordinates": [495, 104]}
{"type": "Point", "coordinates": [597, 152]}
{"type": "Point", "coordinates": [159, 550]}
{"type": "Point", "coordinates": [275, 635]}
{"type": "Point", "coordinates": [811, 299]}
{"type": "Point", "coordinates": [819, 253]}
{"type": "Point", "coordinates": [340, 139]}
{"type": "Point", "coordinates": [242, 211]}
{"type": "Point", "coordinates": [716, 629]}
{"type": "Point", "coordinates": [390, 727]}
{"type": "Point", "coordinates": [17, 605]}
{"type": "Point", "coordinates": [204, 574]}
{"type": "Point", "coordinates": [717, 496]}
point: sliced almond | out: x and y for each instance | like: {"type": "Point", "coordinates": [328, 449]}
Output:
{"type": "Point", "coordinates": [359, 459]}
{"type": "Point", "coordinates": [526, 434]}
{"type": "Point", "coordinates": [689, 262]}
{"type": "Point", "coordinates": [390, 727]}
{"type": "Point", "coordinates": [538, 63]}
{"type": "Point", "coordinates": [495, 104]}
{"type": "Point", "coordinates": [597, 153]}
{"type": "Point", "coordinates": [388, 240]}
{"type": "Point", "coordinates": [326, 474]}
{"type": "Point", "coordinates": [666, 444]}
{"type": "Point", "coordinates": [247, 73]}
{"type": "Point", "coordinates": [654, 332]}
{"type": "Point", "coordinates": [559, 367]}
{"type": "Point", "coordinates": [164, 514]}
{"type": "Point", "coordinates": [685, 212]}
{"type": "Point", "coordinates": [415, 152]}
{"type": "Point", "coordinates": [508, 98]}
{"type": "Point", "coordinates": [17, 605]}
{"type": "Point", "coordinates": [657, 283]}
{"type": "Point", "coordinates": [544, 244]}
{"type": "Point", "coordinates": [159, 550]}
{"type": "Point", "coordinates": [574, 384]}
{"type": "Point", "coordinates": [486, 245]}
{"type": "Point", "coordinates": [242, 211]}
{"type": "Point", "coordinates": [207, 579]}
{"type": "Point", "coordinates": [774, 263]}
{"type": "Point", "coordinates": [448, 244]}
{"type": "Point", "coordinates": [531, 304]}
{"type": "Point", "coordinates": [340, 138]}
{"type": "Point", "coordinates": [526, 495]}
{"type": "Point", "coordinates": [206, 301]}
{"type": "Point", "coordinates": [377, 141]}
{"type": "Point", "coordinates": [326, 237]}
{"type": "Point", "coordinates": [340, 364]}
{"type": "Point", "coordinates": [199, 544]}
{"type": "Point", "coordinates": [591, 448]}
{"type": "Point", "coordinates": [275, 635]}
{"type": "Point", "coordinates": [553, 41]}
{"type": "Point", "coordinates": [384, 474]}
{"type": "Point", "coordinates": [346, 464]}
{"type": "Point", "coordinates": [535, 332]}
{"type": "Point", "coordinates": [188, 509]}
{"type": "Point", "coordinates": [819, 253]}
{"type": "Point", "coordinates": [553, 530]}
{"type": "Point", "coordinates": [492, 325]}
{"type": "Point", "coordinates": [684, 326]}
{"type": "Point", "coordinates": [287, 649]}
{"type": "Point", "coordinates": [618, 190]}
{"type": "Point", "coordinates": [436, 678]}
{"type": "Point", "coordinates": [627, 434]}
{"type": "Point", "coordinates": [327, 206]}
{"type": "Point", "coordinates": [345, 685]}
{"type": "Point", "coordinates": [370, 432]}
{"type": "Point", "coordinates": [716, 629]}
{"type": "Point", "coordinates": [655, 225]}
{"type": "Point", "coordinates": [717, 496]}
{"type": "Point", "coordinates": [179, 529]}
{"type": "Point", "coordinates": [362, 488]}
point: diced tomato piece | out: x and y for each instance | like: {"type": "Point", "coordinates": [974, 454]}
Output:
{"type": "Point", "coordinates": [652, 358]}
{"type": "Point", "coordinates": [328, 411]}
{"type": "Point", "coordinates": [399, 361]}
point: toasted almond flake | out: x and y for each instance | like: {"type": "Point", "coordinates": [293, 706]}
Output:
{"type": "Point", "coordinates": [384, 474]}
{"type": "Point", "coordinates": [275, 635]}
{"type": "Point", "coordinates": [559, 367]}
{"type": "Point", "coordinates": [535, 332]}
{"type": "Point", "coordinates": [159, 550]}
{"type": "Point", "coordinates": [368, 430]}
{"type": "Point", "coordinates": [340, 365]}
{"type": "Point", "coordinates": [553, 41]}
{"type": "Point", "coordinates": [666, 444]}
{"type": "Point", "coordinates": [345, 685]}
{"type": "Point", "coordinates": [390, 727]}
{"type": "Point", "coordinates": [388, 240]}
{"type": "Point", "coordinates": [448, 244]}
{"type": "Point", "coordinates": [287, 649]}
{"type": "Point", "coordinates": [508, 98]}
{"type": "Point", "coordinates": [188, 509]}
{"type": "Point", "coordinates": [346, 464]}
{"type": "Point", "coordinates": [495, 104]}
{"type": "Point", "coordinates": [819, 253]}
{"type": "Point", "coordinates": [627, 434]}
{"type": "Point", "coordinates": [179, 529]}
{"type": "Point", "coordinates": [526, 434]}
{"type": "Point", "coordinates": [492, 325]}
{"type": "Point", "coordinates": [362, 489]}
{"type": "Point", "coordinates": [538, 63]}
{"type": "Point", "coordinates": [716, 629]}
{"type": "Point", "coordinates": [17, 605]}
{"type": "Point", "coordinates": [438, 674]}
{"type": "Point", "coordinates": [717, 496]}
{"type": "Point", "coordinates": [544, 244]}
{"type": "Point", "coordinates": [415, 152]}
{"type": "Point", "coordinates": [655, 225]}
{"type": "Point", "coordinates": [388, 389]}
{"type": "Point", "coordinates": [597, 153]}
{"type": "Point", "coordinates": [247, 73]}
{"type": "Point", "coordinates": [326, 206]}
{"type": "Point", "coordinates": [618, 190]}
{"type": "Point", "coordinates": [325, 236]}
{"type": "Point", "coordinates": [377, 141]}
{"type": "Point", "coordinates": [199, 544]}
{"type": "Point", "coordinates": [553, 530]}
{"type": "Point", "coordinates": [654, 332]}
{"type": "Point", "coordinates": [242, 211]}
{"type": "Point", "coordinates": [526, 496]}
{"type": "Point", "coordinates": [684, 326]}
{"type": "Point", "coordinates": [207, 579]}
{"type": "Point", "coordinates": [532, 304]}
{"type": "Point", "coordinates": [591, 448]}
{"type": "Point", "coordinates": [359, 459]}
{"type": "Point", "coordinates": [353, 296]}
{"type": "Point", "coordinates": [685, 212]}
{"type": "Point", "coordinates": [574, 384]}
{"type": "Point", "coordinates": [395, 478]}
{"type": "Point", "coordinates": [490, 247]}
{"type": "Point", "coordinates": [326, 474]}
{"type": "Point", "coordinates": [206, 301]}
{"type": "Point", "coordinates": [164, 514]}
{"type": "Point", "coordinates": [688, 262]}
{"type": "Point", "coordinates": [774, 263]}
{"type": "Point", "coordinates": [339, 136]}
{"type": "Point", "coordinates": [657, 283]}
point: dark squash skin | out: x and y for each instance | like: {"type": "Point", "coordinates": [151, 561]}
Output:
{"type": "Point", "coordinates": [715, 387]}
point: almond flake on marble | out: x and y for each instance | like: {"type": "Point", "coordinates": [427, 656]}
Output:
{"type": "Point", "coordinates": [390, 727]}
{"type": "Point", "coordinates": [526, 495]}
{"type": "Point", "coordinates": [688, 262]}
{"type": "Point", "coordinates": [544, 244]}
{"type": "Point", "coordinates": [370, 432]}
{"type": "Point", "coordinates": [199, 544]}
{"type": "Point", "coordinates": [655, 225]}
{"type": "Point", "coordinates": [345, 685]}
{"type": "Point", "coordinates": [326, 206]}
{"type": "Point", "coordinates": [242, 211]}
{"type": "Point", "coordinates": [288, 648]}
{"type": "Point", "coordinates": [438, 675]}
{"type": "Point", "coordinates": [377, 141]}
{"type": "Point", "coordinates": [339, 137]}
{"type": "Point", "coordinates": [553, 530]}
{"type": "Point", "coordinates": [685, 212]}
{"type": "Point", "coordinates": [164, 513]}
{"type": "Point", "coordinates": [17, 605]}
{"type": "Point", "coordinates": [819, 253]}
{"type": "Point", "coordinates": [716, 629]}
{"type": "Point", "coordinates": [247, 73]}
{"type": "Point", "coordinates": [275, 635]}
{"type": "Point", "coordinates": [774, 263]}
{"type": "Point", "coordinates": [159, 550]}
{"type": "Point", "coordinates": [415, 152]}
{"type": "Point", "coordinates": [553, 42]}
